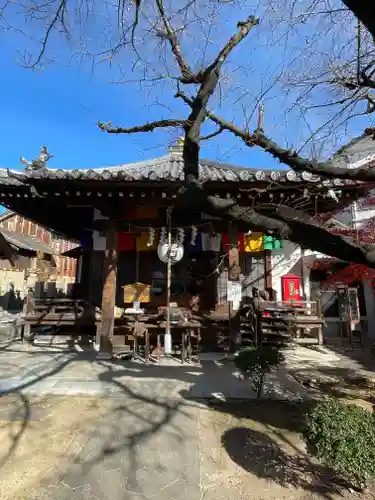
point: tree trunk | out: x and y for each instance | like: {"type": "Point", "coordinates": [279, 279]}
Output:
{"type": "Point", "coordinates": [364, 10]}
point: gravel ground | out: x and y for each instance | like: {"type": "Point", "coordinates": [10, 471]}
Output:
{"type": "Point", "coordinates": [108, 448]}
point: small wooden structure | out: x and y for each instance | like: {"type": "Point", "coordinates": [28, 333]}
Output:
{"type": "Point", "coordinates": [75, 314]}
{"type": "Point", "coordinates": [137, 292]}
{"type": "Point", "coordinates": [278, 322]}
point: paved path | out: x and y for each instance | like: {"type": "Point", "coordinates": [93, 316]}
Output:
{"type": "Point", "coordinates": [58, 371]}
{"type": "Point", "coordinates": [127, 448]}
{"type": "Point", "coordinates": [138, 450]}
{"type": "Point", "coordinates": [76, 428]}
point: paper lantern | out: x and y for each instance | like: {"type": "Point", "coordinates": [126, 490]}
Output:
{"type": "Point", "coordinates": [176, 252]}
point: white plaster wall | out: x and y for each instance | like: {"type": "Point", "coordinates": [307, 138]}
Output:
{"type": "Point", "coordinates": [12, 276]}
{"type": "Point", "coordinates": [287, 260]}
{"type": "Point", "coordinates": [362, 215]}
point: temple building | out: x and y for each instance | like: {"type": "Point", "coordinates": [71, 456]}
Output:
{"type": "Point", "coordinates": [124, 209]}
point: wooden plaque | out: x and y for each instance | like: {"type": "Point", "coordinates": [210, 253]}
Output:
{"type": "Point", "coordinates": [137, 292]}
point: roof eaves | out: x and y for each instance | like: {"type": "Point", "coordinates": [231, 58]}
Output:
{"type": "Point", "coordinates": [170, 168]}
{"type": "Point", "coordinates": [25, 242]}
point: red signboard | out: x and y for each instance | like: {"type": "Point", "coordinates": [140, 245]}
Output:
{"type": "Point", "coordinates": [291, 287]}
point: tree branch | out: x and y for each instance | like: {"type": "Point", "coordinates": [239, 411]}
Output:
{"type": "Point", "coordinates": [199, 103]}
{"type": "Point", "coordinates": [188, 76]}
{"type": "Point", "coordinates": [364, 10]}
{"type": "Point", "coordinates": [364, 81]}
{"type": "Point", "coordinates": [279, 220]}
{"type": "Point", "coordinates": [59, 16]}
{"type": "Point", "coordinates": [147, 127]}
{"type": "Point", "coordinates": [288, 157]}
{"type": "Point", "coordinates": [210, 136]}
{"type": "Point", "coordinates": [244, 28]}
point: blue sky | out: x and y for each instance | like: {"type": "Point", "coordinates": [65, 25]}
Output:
{"type": "Point", "coordinates": [60, 106]}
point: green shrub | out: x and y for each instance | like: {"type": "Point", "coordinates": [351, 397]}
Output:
{"type": "Point", "coordinates": [342, 437]}
{"type": "Point", "coordinates": [255, 362]}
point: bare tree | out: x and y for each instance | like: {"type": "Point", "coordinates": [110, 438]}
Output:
{"type": "Point", "coordinates": [180, 50]}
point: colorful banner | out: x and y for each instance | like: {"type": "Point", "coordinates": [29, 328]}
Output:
{"type": "Point", "coordinates": [253, 242]}
{"type": "Point", "coordinates": [272, 243]}
{"type": "Point", "coordinates": [125, 242]}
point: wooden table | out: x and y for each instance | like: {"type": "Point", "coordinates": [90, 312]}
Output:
{"type": "Point", "coordinates": [139, 329]}
{"type": "Point", "coordinates": [186, 330]}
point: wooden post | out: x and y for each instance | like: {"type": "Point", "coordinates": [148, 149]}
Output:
{"type": "Point", "coordinates": [28, 310]}
{"type": "Point", "coordinates": [234, 272]}
{"type": "Point", "coordinates": [168, 336]}
{"type": "Point", "coordinates": [319, 315]}
{"type": "Point", "coordinates": [105, 331]}
{"type": "Point", "coordinates": [268, 271]}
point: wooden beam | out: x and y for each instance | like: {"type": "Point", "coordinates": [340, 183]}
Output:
{"type": "Point", "coordinates": [105, 331]}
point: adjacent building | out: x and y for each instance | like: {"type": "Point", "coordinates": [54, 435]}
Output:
{"type": "Point", "coordinates": [38, 253]}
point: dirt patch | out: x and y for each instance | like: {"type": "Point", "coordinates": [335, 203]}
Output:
{"type": "Point", "coordinates": [39, 437]}
{"type": "Point", "coordinates": [254, 451]}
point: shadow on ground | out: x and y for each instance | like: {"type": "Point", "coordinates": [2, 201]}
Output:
{"type": "Point", "coordinates": [15, 417]}
{"type": "Point", "coordinates": [261, 455]}
{"type": "Point", "coordinates": [120, 452]}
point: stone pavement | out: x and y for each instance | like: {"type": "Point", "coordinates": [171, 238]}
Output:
{"type": "Point", "coordinates": [139, 450]}
{"type": "Point", "coordinates": [321, 362]}
{"type": "Point", "coordinates": [126, 448]}
{"type": "Point", "coordinates": [141, 438]}
{"type": "Point", "coordinates": [57, 370]}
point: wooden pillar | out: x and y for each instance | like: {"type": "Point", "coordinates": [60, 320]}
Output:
{"type": "Point", "coordinates": [28, 310]}
{"type": "Point", "coordinates": [84, 285]}
{"type": "Point", "coordinates": [268, 270]}
{"type": "Point", "coordinates": [234, 271]}
{"type": "Point", "coordinates": [105, 331]}
{"type": "Point", "coordinates": [319, 315]}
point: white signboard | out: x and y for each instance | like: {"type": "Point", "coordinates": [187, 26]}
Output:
{"type": "Point", "coordinates": [234, 293]}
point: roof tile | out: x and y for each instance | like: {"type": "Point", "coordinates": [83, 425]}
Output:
{"type": "Point", "coordinates": [170, 168]}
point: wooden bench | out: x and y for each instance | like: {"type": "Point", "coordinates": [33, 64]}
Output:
{"type": "Point", "coordinates": [58, 312]}
{"type": "Point", "coordinates": [303, 322]}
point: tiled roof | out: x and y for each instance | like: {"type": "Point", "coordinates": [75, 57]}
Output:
{"type": "Point", "coordinates": [25, 242]}
{"type": "Point", "coordinates": [8, 180]}
{"type": "Point", "coordinates": [170, 168]}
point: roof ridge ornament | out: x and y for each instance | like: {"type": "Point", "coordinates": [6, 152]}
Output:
{"type": "Point", "coordinates": [40, 162]}
{"type": "Point", "coordinates": [177, 148]}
